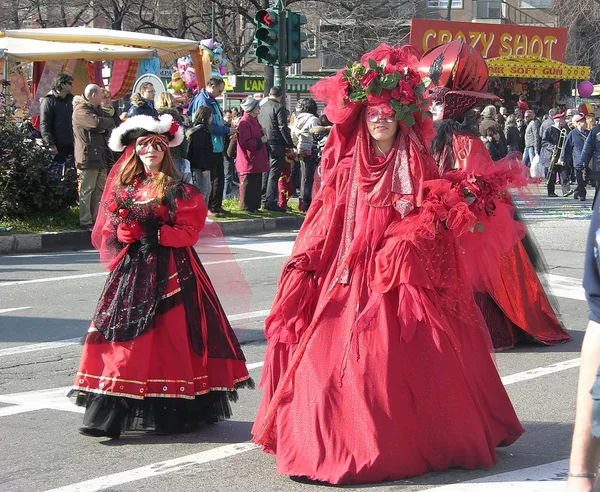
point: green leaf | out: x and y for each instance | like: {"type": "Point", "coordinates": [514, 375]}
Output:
{"type": "Point", "coordinates": [395, 105]}
{"type": "Point", "coordinates": [420, 89]}
{"type": "Point", "coordinates": [372, 64]}
{"type": "Point", "coordinates": [409, 120]}
{"type": "Point", "coordinates": [350, 63]}
{"type": "Point", "coordinates": [479, 227]}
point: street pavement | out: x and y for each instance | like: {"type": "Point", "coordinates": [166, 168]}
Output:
{"type": "Point", "coordinates": [47, 300]}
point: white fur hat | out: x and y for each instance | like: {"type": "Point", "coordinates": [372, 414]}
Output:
{"type": "Point", "coordinates": [138, 126]}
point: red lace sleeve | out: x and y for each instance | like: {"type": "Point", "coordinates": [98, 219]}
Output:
{"type": "Point", "coordinates": [188, 222]}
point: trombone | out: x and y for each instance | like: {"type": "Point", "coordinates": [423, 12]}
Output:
{"type": "Point", "coordinates": [556, 152]}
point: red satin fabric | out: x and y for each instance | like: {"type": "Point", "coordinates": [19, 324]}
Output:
{"type": "Point", "coordinates": [377, 367]}
{"type": "Point", "coordinates": [509, 278]}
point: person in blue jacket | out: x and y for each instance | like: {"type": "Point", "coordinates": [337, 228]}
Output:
{"type": "Point", "coordinates": [571, 153]}
{"type": "Point", "coordinates": [207, 97]}
{"type": "Point", "coordinates": [143, 102]}
{"type": "Point", "coordinates": [591, 151]}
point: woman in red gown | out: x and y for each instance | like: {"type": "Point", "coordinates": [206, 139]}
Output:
{"type": "Point", "coordinates": [160, 353]}
{"type": "Point", "coordinates": [377, 364]}
{"type": "Point", "coordinates": [511, 298]}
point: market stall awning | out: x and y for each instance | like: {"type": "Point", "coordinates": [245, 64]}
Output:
{"type": "Point", "coordinates": [167, 49]}
{"type": "Point", "coordinates": [533, 67]}
{"type": "Point", "coordinates": [30, 50]}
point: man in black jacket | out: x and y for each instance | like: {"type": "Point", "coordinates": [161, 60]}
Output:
{"type": "Point", "coordinates": [56, 114]}
{"type": "Point", "coordinates": [273, 118]}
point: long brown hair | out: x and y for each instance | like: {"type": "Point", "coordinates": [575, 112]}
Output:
{"type": "Point", "coordinates": [133, 167]}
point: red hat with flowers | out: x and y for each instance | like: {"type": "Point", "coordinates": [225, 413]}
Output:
{"type": "Point", "coordinates": [384, 76]}
{"type": "Point", "coordinates": [458, 75]}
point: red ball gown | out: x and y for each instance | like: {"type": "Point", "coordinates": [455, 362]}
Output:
{"type": "Point", "coordinates": [377, 364]}
{"type": "Point", "coordinates": [160, 352]}
{"type": "Point", "coordinates": [511, 297]}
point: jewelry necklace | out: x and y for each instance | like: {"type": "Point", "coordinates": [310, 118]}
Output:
{"type": "Point", "coordinates": [379, 149]}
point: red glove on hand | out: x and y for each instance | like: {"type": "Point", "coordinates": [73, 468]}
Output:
{"type": "Point", "coordinates": [129, 233]}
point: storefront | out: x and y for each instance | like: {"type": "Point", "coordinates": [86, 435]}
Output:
{"type": "Point", "coordinates": [522, 60]}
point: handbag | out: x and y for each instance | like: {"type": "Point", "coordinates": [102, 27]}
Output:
{"type": "Point", "coordinates": [232, 147]}
{"type": "Point", "coordinates": [536, 170]}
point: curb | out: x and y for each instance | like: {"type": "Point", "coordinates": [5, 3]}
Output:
{"type": "Point", "coordinates": [74, 240]}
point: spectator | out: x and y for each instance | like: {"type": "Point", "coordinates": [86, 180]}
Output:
{"type": "Point", "coordinates": [56, 114]}
{"type": "Point", "coordinates": [493, 145]}
{"type": "Point", "coordinates": [231, 178]}
{"type": "Point", "coordinates": [522, 104]}
{"type": "Point", "coordinates": [548, 121]}
{"type": "Point", "coordinates": [488, 121]}
{"type": "Point", "coordinates": [200, 151]}
{"type": "Point", "coordinates": [110, 112]}
{"type": "Point", "coordinates": [143, 102]}
{"type": "Point", "coordinates": [591, 153]}
{"type": "Point", "coordinates": [518, 112]}
{"type": "Point", "coordinates": [91, 152]}
{"type": "Point", "coordinates": [252, 159]}
{"type": "Point", "coordinates": [305, 124]}
{"type": "Point", "coordinates": [571, 154]}
{"type": "Point", "coordinates": [521, 127]}
{"type": "Point", "coordinates": [533, 141]}
{"type": "Point", "coordinates": [166, 104]}
{"type": "Point", "coordinates": [511, 133]}
{"type": "Point", "coordinates": [207, 97]}
{"type": "Point", "coordinates": [273, 118]}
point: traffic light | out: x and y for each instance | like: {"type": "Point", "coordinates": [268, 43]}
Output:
{"type": "Point", "coordinates": [267, 37]}
{"type": "Point", "coordinates": [295, 37]}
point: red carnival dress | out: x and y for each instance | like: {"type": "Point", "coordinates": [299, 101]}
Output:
{"type": "Point", "coordinates": [377, 365]}
{"type": "Point", "coordinates": [160, 352]}
{"type": "Point", "coordinates": [511, 298]}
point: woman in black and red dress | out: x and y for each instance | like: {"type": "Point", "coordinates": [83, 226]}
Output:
{"type": "Point", "coordinates": [160, 353]}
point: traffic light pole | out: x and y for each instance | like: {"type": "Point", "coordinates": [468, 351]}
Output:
{"type": "Point", "coordinates": [280, 69]}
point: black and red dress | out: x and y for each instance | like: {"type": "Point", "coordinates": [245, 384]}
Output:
{"type": "Point", "coordinates": [160, 353]}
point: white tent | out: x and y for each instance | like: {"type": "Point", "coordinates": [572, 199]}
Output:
{"type": "Point", "coordinates": [30, 50]}
{"type": "Point", "coordinates": [167, 49]}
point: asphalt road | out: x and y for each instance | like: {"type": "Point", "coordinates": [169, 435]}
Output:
{"type": "Point", "coordinates": [46, 301]}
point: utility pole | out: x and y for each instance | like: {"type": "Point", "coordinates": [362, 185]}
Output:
{"type": "Point", "coordinates": [449, 11]}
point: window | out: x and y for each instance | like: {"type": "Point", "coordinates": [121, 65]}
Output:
{"type": "Point", "coordinates": [535, 4]}
{"type": "Point", "coordinates": [443, 4]}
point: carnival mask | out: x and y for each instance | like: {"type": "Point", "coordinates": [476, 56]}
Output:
{"type": "Point", "coordinates": [145, 145]}
{"type": "Point", "coordinates": [380, 114]}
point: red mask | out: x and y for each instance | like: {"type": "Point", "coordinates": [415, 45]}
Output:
{"type": "Point", "coordinates": [144, 145]}
{"type": "Point", "coordinates": [381, 113]}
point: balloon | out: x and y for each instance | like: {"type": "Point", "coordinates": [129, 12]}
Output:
{"type": "Point", "coordinates": [189, 77]}
{"type": "Point", "coordinates": [586, 89]}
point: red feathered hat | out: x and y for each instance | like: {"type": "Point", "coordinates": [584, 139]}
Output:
{"type": "Point", "coordinates": [458, 77]}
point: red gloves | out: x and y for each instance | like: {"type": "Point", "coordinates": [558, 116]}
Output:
{"type": "Point", "coordinates": [129, 233]}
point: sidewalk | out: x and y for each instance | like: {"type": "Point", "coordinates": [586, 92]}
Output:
{"type": "Point", "coordinates": [53, 241]}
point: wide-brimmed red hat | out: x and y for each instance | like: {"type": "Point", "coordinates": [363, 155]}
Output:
{"type": "Point", "coordinates": [461, 72]}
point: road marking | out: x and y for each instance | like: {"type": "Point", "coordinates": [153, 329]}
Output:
{"type": "Point", "coordinates": [161, 468]}
{"type": "Point", "coordinates": [104, 274]}
{"type": "Point", "coordinates": [53, 399]}
{"type": "Point", "coordinates": [540, 371]}
{"type": "Point", "coordinates": [566, 287]}
{"type": "Point", "coordinates": [34, 347]}
{"type": "Point", "coordinates": [544, 478]}
{"type": "Point", "coordinates": [9, 310]}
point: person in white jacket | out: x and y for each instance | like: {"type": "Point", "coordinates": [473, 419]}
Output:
{"type": "Point", "coordinates": [306, 123]}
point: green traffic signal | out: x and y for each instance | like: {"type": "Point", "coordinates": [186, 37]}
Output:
{"type": "Point", "coordinates": [295, 37]}
{"type": "Point", "coordinates": [266, 37]}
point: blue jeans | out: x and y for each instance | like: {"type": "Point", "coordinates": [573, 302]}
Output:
{"type": "Point", "coordinates": [528, 156]}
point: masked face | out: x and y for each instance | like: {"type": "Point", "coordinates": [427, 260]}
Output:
{"type": "Point", "coordinates": [381, 123]}
{"type": "Point", "coordinates": [151, 150]}
{"type": "Point", "coordinates": [437, 110]}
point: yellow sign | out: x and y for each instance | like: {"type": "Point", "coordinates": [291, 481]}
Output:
{"type": "Point", "coordinates": [531, 67]}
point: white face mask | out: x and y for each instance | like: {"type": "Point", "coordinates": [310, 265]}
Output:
{"type": "Point", "coordinates": [437, 110]}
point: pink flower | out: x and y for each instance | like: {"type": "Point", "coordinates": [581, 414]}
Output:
{"type": "Point", "coordinates": [174, 128]}
{"type": "Point", "coordinates": [112, 207]}
{"type": "Point", "coordinates": [123, 213]}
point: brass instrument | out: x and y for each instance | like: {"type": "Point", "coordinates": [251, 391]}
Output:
{"type": "Point", "coordinates": [556, 152]}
